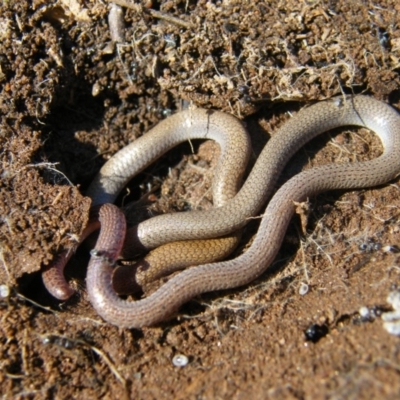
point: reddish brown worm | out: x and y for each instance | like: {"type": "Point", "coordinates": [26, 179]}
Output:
{"type": "Point", "coordinates": [53, 274]}
{"type": "Point", "coordinates": [361, 111]}
{"type": "Point", "coordinates": [235, 146]}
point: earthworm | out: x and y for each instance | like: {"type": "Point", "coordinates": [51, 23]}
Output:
{"type": "Point", "coordinates": [235, 146]}
{"type": "Point", "coordinates": [161, 304]}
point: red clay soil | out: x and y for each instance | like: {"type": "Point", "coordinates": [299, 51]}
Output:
{"type": "Point", "coordinates": [70, 99]}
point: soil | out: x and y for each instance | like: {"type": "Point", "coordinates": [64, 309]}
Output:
{"type": "Point", "coordinates": [70, 98]}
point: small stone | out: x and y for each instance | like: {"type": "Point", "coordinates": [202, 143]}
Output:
{"type": "Point", "coordinates": [180, 360]}
{"type": "Point", "coordinates": [304, 288]}
{"type": "Point", "coordinates": [4, 291]}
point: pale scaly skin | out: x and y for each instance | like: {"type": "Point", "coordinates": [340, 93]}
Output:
{"type": "Point", "coordinates": [161, 304]}
{"type": "Point", "coordinates": [236, 212]}
{"type": "Point", "coordinates": [305, 125]}
{"type": "Point", "coordinates": [235, 145]}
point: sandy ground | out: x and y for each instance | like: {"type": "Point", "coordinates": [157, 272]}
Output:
{"type": "Point", "coordinates": [70, 99]}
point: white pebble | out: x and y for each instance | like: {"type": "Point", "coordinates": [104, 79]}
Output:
{"type": "Point", "coordinates": [4, 291]}
{"type": "Point", "coordinates": [392, 318]}
{"type": "Point", "coordinates": [180, 360]}
{"type": "Point", "coordinates": [304, 288]}
{"type": "Point", "coordinates": [394, 299]}
{"type": "Point", "coordinates": [392, 327]}
{"type": "Point", "coordinates": [390, 249]}
{"type": "Point", "coordinates": [364, 312]}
